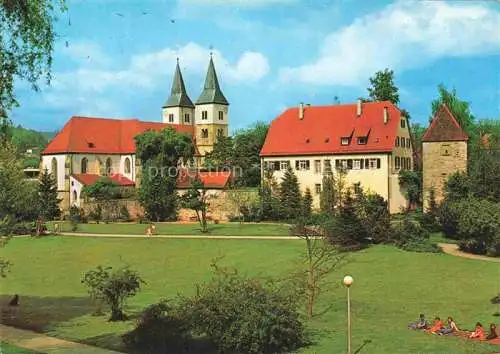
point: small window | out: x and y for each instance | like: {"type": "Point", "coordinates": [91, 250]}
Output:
{"type": "Point", "coordinates": [127, 165]}
{"type": "Point", "coordinates": [327, 166]}
{"type": "Point", "coordinates": [374, 163]}
{"type": "Point", "coordinates": [356, 164]}
{"type": "Point", "coordinates": [204, 115]}
{"type": "Point", "coordinates": [204, 133]}
{"type": "Point", "coordinates": [317, 188]}
{"type": "Point", "coordinates": [397, 141]}
{"type": "Point", "coordinates": [220, 132]}
{"type": "Point", "coordinates": [187, 118]}
{"type": "Point", "coordinates": [221, 115]}
{"type": "Point", "coordinates": [357, 188]}
{"type": "Point", "coordinates": [344, 141]}
{"type": "Point", "coordinates": [91, 145]}
{"type": "Point", "coordinates": [397, 162]}
{"type": "Point", "coordinates": [403, 123]}
{"type": "Point", "coordinates": [302, 165]}
{"type": "Point", "coordinates": [317, 166]}
{"type": "Point", "coordinates": [284, 165]}
{"type": "Point", "coordinates": [362, 140]}
{"type": "Point", "coordinates": [75, 197]}
{"type": "Point", "coordinates": [408, 143]}
{"type": "Point", "coordinates": [445, 150]}
{"type": "Point", "coordinates": [349, 164]}
{"type": "Point", "coordinates": [171, 118]}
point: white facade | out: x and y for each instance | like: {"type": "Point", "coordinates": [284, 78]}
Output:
{"type": "Point", "coordinates": [178, 115]}
{"type": "Point", "coordinates": [211, 114]}
{"type": "Point", "coordinates": [57, 161]}
{"type": "Point", "coordinates": [75, 192]}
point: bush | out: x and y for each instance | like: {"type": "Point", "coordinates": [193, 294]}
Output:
{"type": "Point", "coordinates": [124, 214]}
{"type": "Point", "coordinates": [449, 215]}
{"type": "Point", "coordinates": [410, 236]}
{"type": "Point", "coordinates": [160, 329]}
{"type": "Point", "coordinates": [374, 212]}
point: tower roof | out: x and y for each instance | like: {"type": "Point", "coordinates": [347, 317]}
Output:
{"type": "Point", "coordinates": [444, 127]}
{"type": "Point", "coordinates": [211, 91]}
{"type": "Point", "coordinates": [178, 95]}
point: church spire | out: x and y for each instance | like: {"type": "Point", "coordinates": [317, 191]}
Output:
{"type": "Point", "coordinates": [211, 91]}
{"type": "Point", "coordinates": [178, 95]}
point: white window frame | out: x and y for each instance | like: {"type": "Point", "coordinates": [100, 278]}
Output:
{"type": "Point", "coordinates": [373, 164]}
{"type": "Point", "coordinates": [317, 166]}
{"type": "Point", "coordinates": [356, 164]}
{"type": "Point", "coordinates": [204, 115]}
{"type": "Point", "coordinates": [304, 165]}
{"type": "Point", "coordinates": [344, 141]}
{"type": "Point", "coordinates": [284, 165]}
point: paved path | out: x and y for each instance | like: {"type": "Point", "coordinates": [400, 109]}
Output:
{"type": "Point", "coordinates": [219, 237]}
{"type": "Point", "coordinates": [452, 249]}
{"type": "Point", "coordinates": [45, 344]}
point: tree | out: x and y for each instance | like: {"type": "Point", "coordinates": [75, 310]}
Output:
{"type": "Point", "coordinates": [457, 187]}
{"type": "Point", "coordinates": [327, 199]}
{"type": "Point", "coordinates": [160, 154]}
{"type": "Point", "coordinates": [460, 109]}
{"type": "Point", "coordinates": [269, 194]}
{"type": "Point", "coordinates": [373, 210]}
{"type": "Point", "coordinates": [290, 195]}
{"type": "Point", "coordinates": [48, 202]}
{"type": "Point", "coordinates": [245, 202]}
{"type": "Point", "coordinates": [222, 153]}
{"type": "Point", "coordinates": [411, 183]}
{"type": "Point", "coordinates": [105, 192]}
{"type": "Point", "coordinates": [113, 287]}
{"type": "Point", "coordinates": [196, 198]}
{"type": "Point", "coordinates": [306, 204]}
{"type": "Point", "coordinates": [430, 217]}
{"type": "Point", "coordinates": [5, 128]}
{"type": "Point", "coordinates": [382, 87]}
{"type": "Point", "coordinates": [26, 45]}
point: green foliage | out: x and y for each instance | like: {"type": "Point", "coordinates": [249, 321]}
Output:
{"type": "Point", "coordinates": [327, 199]}
{"type": "Point", "coordinates": [103, 189]}
{"type": "Point", "coordinates": [25, 139]}
{"type": "Point", "coordinates": [417, 130]}
{"type": "Point", "coordinates": [430, 217]}
{"type": "Point", "coordinates": [196, 198]}
{"type": "Point", "coordinates": [306, 204]}
{"type": "Point", "coordinates": [382, 87]}
{"type": "Point", "coordinates": [269, 197]}
{"type": "Point", "coordinates": [159, 154]}
{"type": "Point", "coordinates": [27, 42]}
{"type": "Point", "coordinates": [484, 167]}
{"type": "Point", "coordinates": [290, 197]}
{"type": "Point", "coordinates": [124, 214]}
{"type": "Point", "coordinates": [96, 213]}
{"type": "Point", "coordinates": [222, 153]}
{"type": "Point", "coordinates": [76, 216]}
{"type": "Point", "coordinates": [411, 183]}
{"type": "Point", "coordinates": [449, 215]}
{"type": "Point", "coordinates": [244, 315]}
{"type": "Point", "coordinates": [457, 187]}
{"type": "Point", "coordinates": [113, 287]}
{"type": "Point", "coordinates": [373, 210]}
{"type": "Point", "coordinates": [410, 236]}
{"type": "Point", "coordinates": [48, 202]}
{"type": "Point", "coordinates": [460, 109]}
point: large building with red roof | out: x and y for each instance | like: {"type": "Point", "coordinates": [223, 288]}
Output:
{"type": "Point", "coordinates": [89, 147]}
{"type": "Point", "coordinates": [371, 141]}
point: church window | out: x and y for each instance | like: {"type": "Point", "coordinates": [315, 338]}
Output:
{"type": "Point", "coordinates": [204, 115]}
{"type": "Point", "coordinates": [127, 165]}
{"type": "Point", "coordinates": [397, 162]}
{"type": "Point", "coordinates": [187, 119]}
{"type": "Point", "coordinates": [108, 166]}
{"type": "Point", "coordinates": [84, 164]}
{"type": "Point", "coordinates": [53, 167]}
{"type": "Point", "coordinates": [220, 132]}
{"type": "Point", "coordinates": [204, 133]}
{"type": "Point", "coordinates": [171, 118]}
{"type": "Point", "coordinates": [221, 115]}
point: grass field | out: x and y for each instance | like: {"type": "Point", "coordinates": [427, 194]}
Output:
{"type": "Point", "coordinates": [228, 229]}
{"type": "Point", "coordinates": [391, 288]}
{"type": "Point", "coordinates": [6, 348]}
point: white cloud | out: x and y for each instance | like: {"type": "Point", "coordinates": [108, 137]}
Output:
{"type": "Point", "coordinates": [245, 3]}
{"type": "Point", "coordinates": [403, 35]}
{"type": "Point", "coordinates": [86, 53]}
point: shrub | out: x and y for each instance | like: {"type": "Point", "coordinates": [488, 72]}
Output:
{"type": "Point", "coordinates": [449, 215]}
{"type": "Point", "coordinates": [410, 236]}
{"type": "Point", "coordinates": [124, 214]}
{"type": "Point", "coordinates": [374, 212]}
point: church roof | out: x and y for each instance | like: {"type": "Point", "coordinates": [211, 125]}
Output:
{"type": "Point", "coordinates": [211, 91]}
{"type": "Point", "coordinates": [178, 95]}
{"type": "Point", "coordinates": [103, 135]}
{"type": "Point", "coordinates": [444, 127]}
{"type": "Point", "coordinates": [322, 128]}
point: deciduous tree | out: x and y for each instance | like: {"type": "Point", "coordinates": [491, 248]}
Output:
{"type": "Point", "coordinates": [197, 199]}
{"type": "Point", "coordinates": [383, 88]}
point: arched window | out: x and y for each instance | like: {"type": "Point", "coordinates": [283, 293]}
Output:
{"type": "Point", "coordinates": [204, 133]}
{"type": "Point", "coordinates": [108, 166]}
{"type": "Point", "coordinates": [84, 164]}
{"type": "Point", "coordinates": [397, 163]}
{"type": "Point", "coordinates": [53, 167]}
{"type": "Point", "coordinates": [127, 165]}
{"type": "Point", "coordinates": [75, 197]}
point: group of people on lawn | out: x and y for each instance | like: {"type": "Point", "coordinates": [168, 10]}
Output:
{"type": "Point", "coordinates": [439, 328]}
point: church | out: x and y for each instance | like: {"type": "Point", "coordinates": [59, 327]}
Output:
{"type": "Point", "coordinates": [88, 148]}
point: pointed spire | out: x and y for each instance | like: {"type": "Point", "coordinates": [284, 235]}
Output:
{"type": "Point", "coordinates": [211, 91]}
{"type": "Point", "coordinates": [178, 95]}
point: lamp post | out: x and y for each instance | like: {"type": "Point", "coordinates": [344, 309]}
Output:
{"type": "Point", "coordinates": [348, 280]}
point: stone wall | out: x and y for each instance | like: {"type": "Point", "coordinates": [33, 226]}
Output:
{"type": "Point", "coordinates": [135, 210]}
{"type": "Point", "coordinates": [440, 159]}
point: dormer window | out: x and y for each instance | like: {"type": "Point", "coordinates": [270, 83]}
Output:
{"type": "Point", "coordinates": [344, 141]}
{"type": "Point", "coordinates": [362, 140]}
{"type": "Point", "coordinates": [91, 145]}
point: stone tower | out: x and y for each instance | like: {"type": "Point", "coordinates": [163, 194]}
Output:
{"type": "Point", "coordinates": [444, 151]}
{"type": "Point", "coordinates": [211, 113]}
{"type": "Point", "coordinates": [178, 109]}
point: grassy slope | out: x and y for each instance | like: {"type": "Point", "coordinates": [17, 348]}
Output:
{"type": "Point", "coordinates": [6, 348]}
{"type": "Point", "coordinates": [229, 229]}
{"type": "Point", "coordinates": [391, 288]}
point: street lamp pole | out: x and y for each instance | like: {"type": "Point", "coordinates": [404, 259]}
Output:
{"type": "Point", "coordinates": [348, 280]}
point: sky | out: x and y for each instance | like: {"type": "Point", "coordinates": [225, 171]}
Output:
{"type": "Point", "coordinates": [116, 58]}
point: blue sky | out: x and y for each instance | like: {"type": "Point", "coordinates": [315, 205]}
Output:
{"type": "Point", "coordinates": [116, 58]}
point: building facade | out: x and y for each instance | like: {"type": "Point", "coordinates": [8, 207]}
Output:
{"type": "Point", "coordinates": [444, 151]}
{"type": "Point", "coordinates": [371, 141]}
{"type": "Point", "coordinates": [88, 147]}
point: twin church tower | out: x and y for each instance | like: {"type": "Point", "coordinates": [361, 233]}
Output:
{"type": "Point", "coordinates": [209, 116]}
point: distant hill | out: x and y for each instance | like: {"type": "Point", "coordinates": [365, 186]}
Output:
{"type": "Point", "coordinates": [26, 139]}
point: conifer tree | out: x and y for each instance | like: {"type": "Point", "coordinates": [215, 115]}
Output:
{"type": "Point", "coordinates": [48, 202]}
{"type": "Point", "coordinates": [307, 201]}
{"type": "Point", "coordinates": [290, 195]}
{"type": "Point", "coordinates": [327, 196]}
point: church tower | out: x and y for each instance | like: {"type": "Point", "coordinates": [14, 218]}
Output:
{"type": "Point", "coordinates": [178, 109]}
{"type": "Point", "coordinates": [444, 151]}
{"type": "Point", "coordinates": [211, 113]}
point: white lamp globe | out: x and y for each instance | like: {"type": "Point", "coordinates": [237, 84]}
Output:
{"type": "Point", "coordinates": [348, 280]}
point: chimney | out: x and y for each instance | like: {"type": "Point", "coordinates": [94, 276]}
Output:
{"type": "Point", "coordinates": [301, 111]}
{"type": "Point", "coordinates": [386, 115]}
{"type": "Point", "coordinates": [358, 108]}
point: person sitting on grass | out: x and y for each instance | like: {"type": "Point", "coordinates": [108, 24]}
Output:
{"type": "Point", "coordinates": [478, 333]}
{"type": "Point", "coordinates": [493, 332]}
{"type": "Point", "coordinates": [436, 327]}
{"type": "Point", "coordinates": [450, 328]}
{"type": "Point", "coordinates": [420, 324]}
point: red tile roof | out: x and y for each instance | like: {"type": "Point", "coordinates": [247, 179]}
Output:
{"type": "Point", "coordinates": [321, 130]}
{"type": "Point", "coordinates": [103, 135]}
{"type": "Point", "coordinates": [88, 179]}
{"type": "Point", "coordinates": [444, 127]}
{"type": "Point", "coordinates": [211, 180]}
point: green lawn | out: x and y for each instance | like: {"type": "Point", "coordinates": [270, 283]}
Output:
{"type": "Point", "coordinates": [391, 288]}
{"type": "Point", "coordinates": [6, 348]}
{"type": "Point", "coordinates": [228, 229]}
